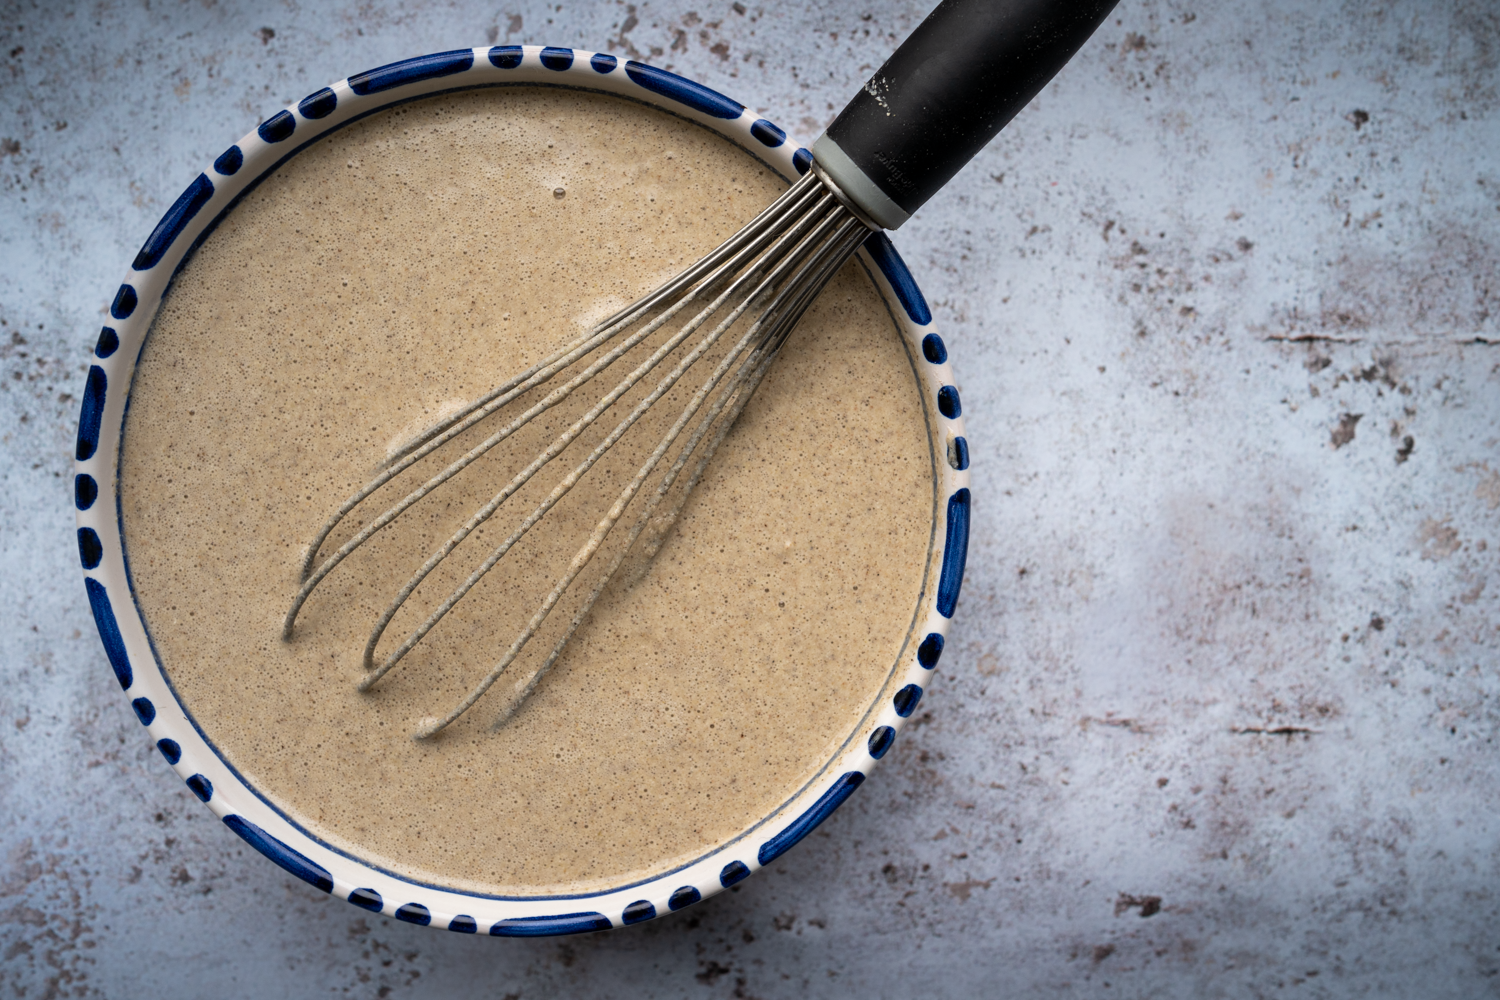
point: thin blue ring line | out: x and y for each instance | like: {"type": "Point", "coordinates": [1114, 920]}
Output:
{"type": "Point", "coordinates": [250, 185]}
{"type": "Point", "coordinates": [293, 152]}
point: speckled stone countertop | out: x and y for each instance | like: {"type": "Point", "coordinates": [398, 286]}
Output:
{"type": "Point", "coordinates": [1219, 716]}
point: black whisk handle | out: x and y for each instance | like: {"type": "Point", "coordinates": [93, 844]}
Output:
{"type": "Point", "coordinates": [965, 72]}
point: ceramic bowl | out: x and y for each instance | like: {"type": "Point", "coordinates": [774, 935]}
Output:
{"type": "Point", "coordinates": [121, 626]}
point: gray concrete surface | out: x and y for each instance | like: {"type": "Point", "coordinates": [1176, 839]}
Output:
{"type": "Point", "coordinates": [1220, 716]}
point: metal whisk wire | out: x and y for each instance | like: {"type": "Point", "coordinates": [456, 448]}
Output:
{"type": "Point", "coordinates": [782, 258]}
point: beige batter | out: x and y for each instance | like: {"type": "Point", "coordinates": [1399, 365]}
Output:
{"type": "Point", "coordinates": [413, 260]}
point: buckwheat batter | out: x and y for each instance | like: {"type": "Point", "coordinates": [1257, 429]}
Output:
{"type": "Point", "coordinates": [413, 260]}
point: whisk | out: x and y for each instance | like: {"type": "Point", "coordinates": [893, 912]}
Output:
{"type": "Point", "coordinates": [945, 92]}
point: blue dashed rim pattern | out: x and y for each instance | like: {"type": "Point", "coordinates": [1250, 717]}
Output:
{"type": "Point", "coordinates": [128, 647]}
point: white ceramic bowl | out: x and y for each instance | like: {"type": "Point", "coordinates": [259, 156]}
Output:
{"type": "Point", "coordinates": [184, 745]}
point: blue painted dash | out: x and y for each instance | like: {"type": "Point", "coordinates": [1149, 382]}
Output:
{"type": "Point", "coordinates": [948, 402]}
{"type": "Point", "coordinates": [91, 413]}
{"type": "Point", "coordinates": [399, 74]}
{"type": "Point", "coordinates": [125, 302]}
{"type": "Point", "coordinates": [735, 871]}
{"type": "Point", "coordinates": [187, 205]}
{"type": "Point", "coordinates": [685, 896]}
{"type": "Point", "coordinates": [906, 700]}
{"type": "Point", "coordinates": [506, 56]}
{"type": "Point", "coordinates": [683, 91]}
{"type": "Point", "coordinates": [880, 741]}
{"type": "Point", "coordinates": [802, 159]}
{"type": "Point", "coordinates": [170, 750]}
{"type": "Point", "coordinates": [109, 632]}
{"type": "Point", "coordinates": [90, 549]}
{"type": "Point", "coordinates": [367, 899]}
{"type": "Point", "coordinates": [463, 924]}
{"type": "Point", "coordinates": [144, 710]}
{"type": "Point", "coordinates": [109, 342]}
{"type": "Point", "coordinates": [808, 821]}
{"type": "Point", "coordinates": [230, 161]}
{"type": "Point", "coordinates": [319, 104]}
{"type": "Point", "coordinates": [955, 553]}
{"type": "Point", "coordinates": [767, 133]}
{"type": "Point", "coordinates": [558, 59]}
{"type": "Point", "coordinates": [85, 491]}
{"type": "Point", "coordinates": [415, 913]}
{"type": "Point", "coordinates": [201, 787]}
{"type": "Point", "coordinates": [563, 923]}
{"type": "Point", "coordinates": [277, 128]}
{"type": "Point", "coordinates": [958, 453]}
{"type": "Point", "coordinates": [603, 62]}
{"type": "Point", "coordinates": [930, 650]}
{"type": "Point", "coordinates": [933, 349]}
{"type": "Point", "coordinates": [641, 909]}
{"type": "Point", "coordinates": [894, 268]}
{"type": "Point", "coordinates": [289, 860]}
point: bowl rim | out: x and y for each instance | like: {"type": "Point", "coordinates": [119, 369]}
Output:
{"type": "Point", "coordinates": [131, 652]}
